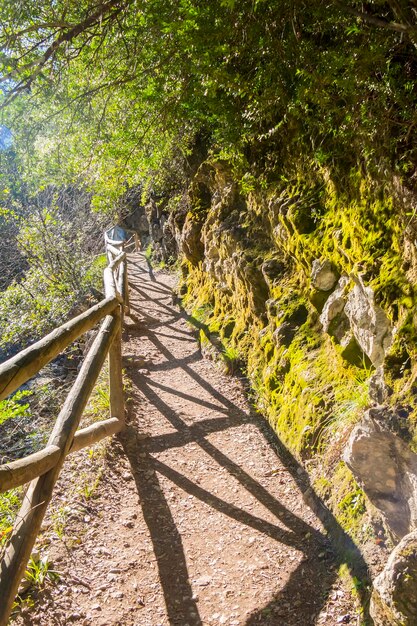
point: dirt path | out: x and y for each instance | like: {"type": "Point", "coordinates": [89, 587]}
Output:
{"type": "Point", "coordinates": [197, 521]}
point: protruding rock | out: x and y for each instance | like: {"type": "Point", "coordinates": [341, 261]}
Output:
{"type": "Point", "coordinates": [257, 288]}
{"type": "Point", "coordinates": [323, 275]}
{"type": "Point", "coordinates": [394, 599]}
{"type": "Point", "coordinates": [370, 325]}
{"type": "Point", "coordinates": [272, 270]}
{"type": "Point", "coordinates": [386, 468]}
{"type": "Point", "coordinates": [379, 391]}
{"type": "Point", "coordinates": [191, 242]}
{"type": "Point", "coordinates": [284, 334]}
{"type": "Point", "coordinates": [333, 317]}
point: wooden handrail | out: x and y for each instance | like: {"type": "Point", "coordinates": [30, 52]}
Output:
{"type": "Point", "coordinates": [86, 437]}
{"type": "Point", "coordinates": [17, 473]}
{"type": "Point", "coordinates": [20, 368]}
{"type": "Point", "coordinates": [43, 467]}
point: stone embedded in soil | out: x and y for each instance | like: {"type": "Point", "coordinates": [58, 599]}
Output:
{"type": "Point", "coordinates": [203, 581]}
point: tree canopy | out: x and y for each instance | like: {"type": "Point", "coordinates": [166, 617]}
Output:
{"type": "Point", "coordinates": [106, 93]}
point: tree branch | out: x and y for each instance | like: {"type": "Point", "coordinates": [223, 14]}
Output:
{"type": "Point", "coordinates": [30, 29]}
{"type": "Point", "coordinates": [376, 21]}
{"type": "Point", "coordinates": [109, 9]}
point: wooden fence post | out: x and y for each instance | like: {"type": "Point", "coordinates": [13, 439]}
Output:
{"type": "Point", "coordinates": [125, 288]}
{"type": "Point", "coordinates": [117, 406]}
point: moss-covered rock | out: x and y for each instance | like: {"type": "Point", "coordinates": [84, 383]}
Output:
{"type": "Point", "coordinates": [394, 600]}
{"type": "Point", "coordinates": [191, 243]}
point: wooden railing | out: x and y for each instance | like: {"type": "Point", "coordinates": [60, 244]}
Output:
{"type": "Point", "coordinates": [41, 469]}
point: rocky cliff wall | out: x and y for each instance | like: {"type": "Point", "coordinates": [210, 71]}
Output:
{"type": "Point", "coordinates": [312, 292]}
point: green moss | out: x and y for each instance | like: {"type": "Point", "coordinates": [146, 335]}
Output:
{"type": "Point", "coordinates": [308, 390]}
{"type": "Point", "coordinates": [347, 500]}
{"type": "Point", "coordinates": [202, 313]}
{"type": "Point", "coordinates": [323, 487]}
{"type": "Point", "coordinates": [359, 235]}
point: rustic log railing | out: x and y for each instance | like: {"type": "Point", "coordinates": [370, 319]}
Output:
{"type": "Point", "coordinates": [41, 469]}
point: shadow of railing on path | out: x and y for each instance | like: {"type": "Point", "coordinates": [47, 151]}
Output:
{"type": "Point", "coordinates": [164, 533]}
{"type": "Point", "coordinates": [166, 539]}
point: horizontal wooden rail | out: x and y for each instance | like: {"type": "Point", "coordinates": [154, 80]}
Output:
{"type": "Point", "coordinates": [17, 473]}
{"type": "Point", "coordinates": [94, 433]}
{"type": "Point", "coordinates": [132, 242]}
{"type": "Point", "coordinates": [20, 368]}
{"type": "Point", "coordinates": [42, 468]}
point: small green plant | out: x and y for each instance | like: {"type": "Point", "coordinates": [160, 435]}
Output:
{"type": "Point", "coordinates": [232, 359]}
{"type": "Point", "coordinates": [59, 519]}
{"type": "Point", "coordinates": [39, 571]}
{"type": "Point", "coordinates": [348, 410]}
{"type": "Point", "coordinates": [98, 406]}
{"type": "Point", "coordinates": [20, 603]}
{"type": "Point", "coordinates": [149, 252]}
{"type": "Point", "coordinates": [89, 487]}
{"type": "Point", "coordinates": [101, 400]}
{"type": "Point", "coordinates": [14, 407]}
{"type": "Point", "coordinates": [354, 502]}
{"type": "Point", "coordinates": [9, 505]}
